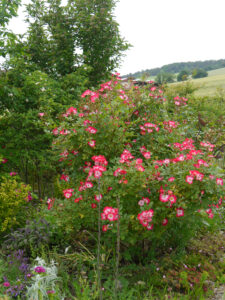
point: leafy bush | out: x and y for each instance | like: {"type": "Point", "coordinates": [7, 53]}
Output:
{"type": "Point", "coordinates": [30, 238]}
{"type": "Point", "coordinates": [135, 155]}
{"type": "Point", "coordinates": [13, 203]}
{"type": "Point", "coordinates": [199, 73]}
{"type": "Point", "coordinates": [164, 77]}
{"type": "Point", "coordinates": [184, 89]}
{"type": "Point", "coordinates": [183, 75]}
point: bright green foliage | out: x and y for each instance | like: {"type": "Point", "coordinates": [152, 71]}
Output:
{"type": "Point", "coordinates": [24, 94]}
{"type": "Point", "coordinates": [8, 9]}
{"type": "Point", "coordinates": [27, 147]}
{"type": "Point", "coordinates": [98, 36]}
{"type": "Point", "coordinates": [13, 200]}
{"type": "Point", "coordinates": [61, 39]}
{"type": "Point", "coordinates": [51, 37]}
{"type": "Point", "coordinates": [24, 88]}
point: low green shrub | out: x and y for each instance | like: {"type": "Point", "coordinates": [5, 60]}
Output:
{"type": "Point", "coordinates": [14, 198]}
{"type": "Point", "coordinates": [31, 238]}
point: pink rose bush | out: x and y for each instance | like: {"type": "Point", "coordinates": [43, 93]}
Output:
{"type": "Point", "coordinates": [135, 145]}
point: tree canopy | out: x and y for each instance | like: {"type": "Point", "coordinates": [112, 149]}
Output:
{"type": "Point", "coordinates": [183, 75]}
{"type": "Point", "coordinates": [8, 9]}
{"type": "Point", "coordinates": [164, 77]}
{"type": "Point", "coordinates": [199, 73]}
{"type": "Point", "coordinates": [63, 38]}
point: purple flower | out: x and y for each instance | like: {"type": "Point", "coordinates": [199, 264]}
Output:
{"type": "Point", "coordinates": [40, 269]}
{"type": "Point", "coordinates": [12, 173]}
{"type": "Point", "coordinates": [50, 292]}
{"type": "Point", "coordinates": [6, 284]}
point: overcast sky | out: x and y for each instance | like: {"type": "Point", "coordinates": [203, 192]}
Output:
{"type": "Point", "coordinates": [166, 31]}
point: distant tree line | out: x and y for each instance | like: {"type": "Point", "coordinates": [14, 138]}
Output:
{"type": "Point", "coordinates": [174, 68]}
{"type": "Point", "coordinates": [165, 77]}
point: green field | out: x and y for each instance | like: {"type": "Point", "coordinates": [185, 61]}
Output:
{"type": "Point", "coordinates": [211, 85]}
{"type": "Point", "coordinates": [217, 72]}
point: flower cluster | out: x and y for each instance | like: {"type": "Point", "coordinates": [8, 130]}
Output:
{"type": "Point", "coordinates": [207, 145]}
{"type": "Point", "coordinates": [125, 157]}
{"type": "Point", "coordinates": [145, 217]}
{"type": "Point", "coordinates": [138, 165]}
{"type": "Point", "coordinates": [91, 129]}
{"type": "Point", "coordinates": [70, 111]}
{"type": "Point", "coordinates": [17, 261]}
{"type": "Point", "coordinates": [143, 201]}
{"type": "Point", "coordinates": [169, 125]}
{"type": "Point", "coordinates": [127, 130]}
{"type": "Point", "coordinates": [194, 174]}
{"type": "Point", "coordinates": [118, 172]}
{"type": "Point", "coordinates": [110, 214]}
{"type": "Point", "coordinates": [39, 269]}
{"type": "Point", "coordinates": [145, 153]}
{"type": "Point", "coordinates": [68, 193]}
{"type": "Point", "coordinates": [148, 127]}
{"type": "Point", "coordinates": [187, 144]}
{"type": "Point", "coordinates": [50, 203]}
{"type": "Point", "coordinates": [179, 101]}
{"type": "Point", "coordinates": [65, 177]}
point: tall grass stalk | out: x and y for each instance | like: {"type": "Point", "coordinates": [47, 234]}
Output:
{"type": "Point", "coordinates": [99, 245]}
{"type": "Point", "coordinates": [117, 251]}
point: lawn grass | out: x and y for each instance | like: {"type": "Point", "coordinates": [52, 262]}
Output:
{"type": "Point", "coordinates": [216, 72]}
{"type": "Point", "coordinates": [209, 86]}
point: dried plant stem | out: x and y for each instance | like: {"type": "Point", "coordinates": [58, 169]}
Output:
{"type": "Point", "coordinates": [117, 251]}
{"type": "Point", "coordinates": [99, 246]}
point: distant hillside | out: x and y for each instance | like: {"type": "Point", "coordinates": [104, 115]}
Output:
{"type": "Point", "coordinates": [177, 67]}
{"type": "Point", "coordinates": [210, 86]}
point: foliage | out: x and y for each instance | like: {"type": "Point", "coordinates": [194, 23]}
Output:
{"type": "Point", "coordinates": [132, 175]}
{"type": "Point", "coordinates": [16, 274]}
{"type": "Point", "coordinates": [23, 89]}
{"type": "Point", "coordinates": [164, 77]}
{"type": "Point", "coordinates": [98, 36]}
{"type": "Point", "coordinates": [44, 281]}
{"type": "Point", "coordinates": [27, 148]}
{"type": "Point", "coordinates": [183, 75]}
{"type": "Point", "coordinates": [62, 39]}
{"type": "Point", "coordinates": [120, 127]}
{"type": "Point", "coordinates": [13, 200]}
{"type": "Point", "coordinates": [29, 101]}
{"type": "Point", "coordinates": [8, 9]}
{"type": "Point", "coordinates": [199, 73]}
{"type": "Point", "coordinates": [125, 153]}
{"type": "Point", "coordinates": [31, 238]}
{"type": "Point", "coordinates": [183, 89]}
